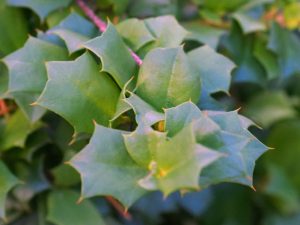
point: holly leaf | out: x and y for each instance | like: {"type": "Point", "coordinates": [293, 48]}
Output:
{"type": "Point", "coordinates": [177, 163]}
{"type": "Point", "coordinates": [74, 30]}
{"type": "Point", "coordinates": [224, 132]}
{"type": "Point", "coordinates": [14, 130]}
{"type": "Point", "coordinates": [231, 138]}
{"type": "Point", "coordinates": [267, 58]}
{"type": "Point", "coordinates": [204, 34]}
{"type": "Point", "coordinates": [240, 48]}
{"type": "Point", "coordinates": [214, 78]}
{"type": "Point", "coordinates": [78, 92]}
{"type": "Point", "coordinates": [114, 54]}
{"type": "Point", "coordinates": [144, 113]}
{"type": "Point", "coordinates": [141, 144]}
{"type": "Point", "coordinates": [8, 181]}
{"type": "Point", "coordinates": [247, 23]}
{"type": "Point", "coordinates": [167, 78]}
{"type": "Point", "coordinates": [41, 7]}
{"type": "Point", "coordinates": [287, 47]}
{"type": "Point", "coordinates": [135, 33]}
{"type": "Point", "coordinates": [70, 213]}
{"type": "Point", "coordinates": [166, 30]}
{"type": "Point", "coordinates": [107, 169]}
{"type": "Point", "coordinates": [179, 117]}
{"type": "Point", "coordinates": [269, 107]}
{"type": "Point", "coordinates": [12, 37]}
{"type": "Point", "coordinates": [27, 73]}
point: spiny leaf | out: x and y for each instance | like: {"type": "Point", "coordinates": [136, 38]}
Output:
{"type": "Point", "coordinates": [74, 30]}
{"type": "Point", "coordinates": [240, 146]}
{"type": "Point", "coordinates": [41, 7]}
{"type": "Point", "coordinates": [63, 210]}
{"type": "Point", "coordinates": [27, 73]}
{"type": "Point", "coordinates": [203, 34]}
{"type": "Point", "coordinates": [7, 181]}
{"type": "Point", "coordinates": [144, 113]}
{"type": "Point", "coordinates": [115, 56]}
{"type": "Point", "coordinates": [215, 72]}
{"type": "Point", "coordinates": [135, 33]}
{"type": "Point", "coordinates": [269, 107]}
{"type": "Point", "coordinates": [78, 92]}
{"type": "Point", "coordinates": [177, 163]}
{"type": "Point", "coordinates": [240, 47]}
{"type": "Point", "coordinates": [179, 117]}
{"type": "Point", "coordinates": [167, 78]}
{"type": "Point", "coordinates": [142, 143]}
{"type": "Point", "coordinates": [107, 169]}
{"type": "Point", "coordinates": [247, 23]}
{"type": "Point", "coordinates": [166, 30]}
{"type": "Point", "coordinates": [267, 58]}
{"type": "Point", "coordinates": [12, 37]}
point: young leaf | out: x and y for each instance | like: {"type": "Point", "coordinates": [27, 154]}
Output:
{"type": "Point", "coordinates": [27, 73]}
{"type": "Point", "coordinates": [177, 163]}
{"type": "Point", "coordinates": [7, 181]}
{"type": "Point", "coordinates": [115, 56]}
{"type": "Point", "coordinates": [78, 92]}
{"type": "Point", "coordinates": [179, 117]}
{"type": "Point", "coordinates": [107, 169]}
{"type": "Point", "coordinates": [142, 143]}
{"type": "Point", "coordinates": [167, 78]}
{"type": "Point", "coordinates": [63, 209]}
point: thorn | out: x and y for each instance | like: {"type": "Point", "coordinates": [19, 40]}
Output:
{"type": "Point", "coordinates": [68, 163]}
{"type": "Point", "coordinates": [34, 104]}
{"type": "Point", "coordinates": [80, 200]}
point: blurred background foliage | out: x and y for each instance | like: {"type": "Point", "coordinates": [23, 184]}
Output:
{"type": "Point", "coordinates": [262, 37]}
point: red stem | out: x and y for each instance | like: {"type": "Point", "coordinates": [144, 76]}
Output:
{"type": "Point", "coordinates": [101, 25]}
{"type": "Point", "coordinates": [118, 207]}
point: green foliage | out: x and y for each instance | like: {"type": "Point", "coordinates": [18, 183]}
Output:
{"type": "Point", "coordinates": [147, 108]}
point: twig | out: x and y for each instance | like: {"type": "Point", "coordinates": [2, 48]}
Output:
{"type": "Point", "coordinates": [101, 25]}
